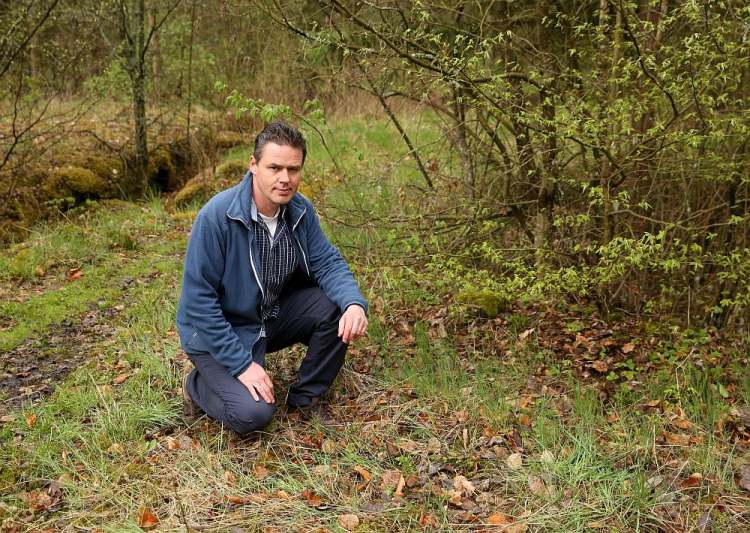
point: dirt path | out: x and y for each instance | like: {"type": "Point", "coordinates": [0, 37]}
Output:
{"type": "Point", "coordinates": [33, 370]}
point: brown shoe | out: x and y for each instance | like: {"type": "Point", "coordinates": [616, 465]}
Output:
{"type": "Point", "coordinates": [316, 411]}
{"type": "Point", "coordinates": [191, 412]}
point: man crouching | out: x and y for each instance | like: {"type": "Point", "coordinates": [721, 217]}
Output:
{"type": "Point", "coordinates": [259, 276]}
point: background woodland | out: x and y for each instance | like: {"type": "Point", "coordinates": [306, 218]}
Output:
{"type": "Point", "coordinates": [595, 149]}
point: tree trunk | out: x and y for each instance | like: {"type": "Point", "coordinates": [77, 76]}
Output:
{"type": "Point", "coordinates": [141, 132]}
{"type": "Point", "coordinates": [156, 63]}
{"type": "Point", "coordinates": [548, 181]}
{"type": "Point", "coordinates": [137, 69]}
{"type": "Point", "coordinates": [459, 138]}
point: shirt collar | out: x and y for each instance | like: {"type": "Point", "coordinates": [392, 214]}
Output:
{"type": "Point", "coordinates": [254, 210]}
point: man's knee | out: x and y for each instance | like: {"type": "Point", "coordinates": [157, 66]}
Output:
{"type": "Point", "coordinates": [249, 416]}
{"type": "Point", "coordinates": [327, 310]}
{"type": "Point", "coordinates": [318, 305]}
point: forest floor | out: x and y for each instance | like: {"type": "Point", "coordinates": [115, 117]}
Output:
{"type": "Point", "coordinates": [543, 418]}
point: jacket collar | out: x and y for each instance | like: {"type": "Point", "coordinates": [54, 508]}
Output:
{"type": "Point", "coordinates": [241, 206]}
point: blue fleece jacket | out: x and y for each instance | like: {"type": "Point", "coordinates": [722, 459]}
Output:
{"type": "Point", "coordinates": [219, 309]}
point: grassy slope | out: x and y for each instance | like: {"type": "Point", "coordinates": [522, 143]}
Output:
{"type": "Point", "coordinates": [463, 429]}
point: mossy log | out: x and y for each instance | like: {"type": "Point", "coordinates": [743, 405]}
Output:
{"type": "Point", "coordinates": [205, 184]}
{"type": "Point", "coordinates": [230, 139]}
{"type": "Point", "coordinates": [74, 182]}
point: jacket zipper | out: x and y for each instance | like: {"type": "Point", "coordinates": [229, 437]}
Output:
{"type": "Point", "coordinates": [252, 261]}
{"type": "Point", "coordinates": [299, 245]}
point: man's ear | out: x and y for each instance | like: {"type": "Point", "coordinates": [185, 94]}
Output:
{"type": "Point", "coordinates": [253, 164]}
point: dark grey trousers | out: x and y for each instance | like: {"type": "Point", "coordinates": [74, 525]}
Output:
{"type": "Point", "coordinates": [305, 316]}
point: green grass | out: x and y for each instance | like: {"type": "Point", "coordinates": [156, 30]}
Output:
{"type": "Point", "coordinates": [93, 243]}
{"type": "Point", "coordinates": [433, 394]}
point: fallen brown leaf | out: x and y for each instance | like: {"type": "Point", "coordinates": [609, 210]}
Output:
{"type": "Point", "coordinates": [255, 497]}
{"type": "Point", "coordinates": [464, 486]}
{"type": "Point", "coordinates": [600, 366]}
{"type": "Point", "coordinates": [537, 486]}
{"type": "Point", "coordinates": [514, 461]}
{"type": "Point", "coordinates": [312, 499]}
{"type": "Point", "coordinates": [349, 521]}
{"type": "Point", "coordinates": [547, 457]}
{"type": "Point", "coordinates": [524, 402]}
{"type": "Point", "coordinates": [328, 447]}
{"type": "Point", "coordinates": [116, 449]}
{"type": "Point", "coordinates": [682, 423]}
{"type": "Point", "coordinates": [400, 487]}
{"type": "Point", "coordinates": [690, 482]}
{"type": "Point", "coordinates": [511, 525]}
{"type": "Point", "coordinates": [30, 420]}
{"type": "Point", "coordinates": [498, 519]}
{"type": "Point", "coordinates": [260, 472]}
{"type": "Point", "coordinates": [362, 472]}
{"type": "Point", "coordinates": [434, 446]}
{"type": "Point", "coordinates": [146, 519]}
{"type": "Point", "coordinates": [428, 521]}
{"type": "Point", "coordinates": [38, 500]}
{"type": "Point", "coordinates": [678, 439]}
{"type": "Point", "coordinates": [390, 479]}
{"type": "Point", "coordinates": [745, 477]}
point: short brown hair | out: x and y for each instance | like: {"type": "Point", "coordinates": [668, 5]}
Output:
{"type": "Point", "coordinates": [281, 133]}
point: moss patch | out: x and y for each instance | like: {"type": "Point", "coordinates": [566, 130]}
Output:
{"type": "Point", "coordinates": [489, 304]}
{"type": "Point", "coordinates": [110, 169]}
{"type": "Point", "coordinates": [74, 182]}
{"type": "Point", "coordinates": [205, 184]}
{"type": "Point", "coordinates": [234, 169]}
{"type": "Point", "coordinates": [229, 139]}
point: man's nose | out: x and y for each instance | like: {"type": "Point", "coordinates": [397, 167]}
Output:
{"type": "Point", "coordinates": [284, 175]}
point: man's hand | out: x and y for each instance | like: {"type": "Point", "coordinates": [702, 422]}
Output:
{"type": "Point", "coordinates": [257, 382]}
{"type": "Point", "coordinates": [353, 324]}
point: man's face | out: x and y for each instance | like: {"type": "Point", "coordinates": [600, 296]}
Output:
{"type": "Point", "coordinates": [276, 176]}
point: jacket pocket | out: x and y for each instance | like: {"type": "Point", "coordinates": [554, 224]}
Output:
{"type": "Point", "coordinates": [194, 343]}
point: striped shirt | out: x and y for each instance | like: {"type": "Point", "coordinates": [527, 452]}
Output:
{"type": "Point", "coordinates": [278, 261]}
